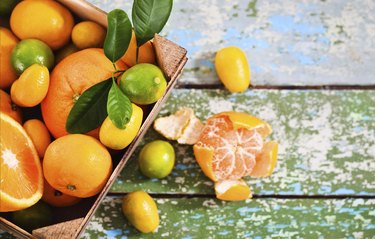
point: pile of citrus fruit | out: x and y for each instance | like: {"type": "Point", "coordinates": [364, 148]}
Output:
{"type": "Point", "coordinates": [48, 60]}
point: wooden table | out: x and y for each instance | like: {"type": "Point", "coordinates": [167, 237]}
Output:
{"type": "Point", "coordinates": [313, 80]}
{"type": "Point", "coordinates": [313, 77]}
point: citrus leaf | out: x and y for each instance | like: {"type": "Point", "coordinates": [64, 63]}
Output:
{"type": "Point", "coordinates": [149, 17]}
{"type": "Point", "coordinates": [119, 107]}
{"type": "Point", "coordinates": [119, 33]}
{"type": "Point", "coordinates": [90, 110]}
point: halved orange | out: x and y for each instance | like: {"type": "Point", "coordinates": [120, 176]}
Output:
{"type": "Point", "coordinates": [21, 178]}
{"type": "Point", "coordinates": [232, 190]}
{"type": "Point", "coordinates": [266, 160]}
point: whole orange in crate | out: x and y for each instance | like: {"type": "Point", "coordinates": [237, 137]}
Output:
{"type": "Point", "coordinates": [171, 59]}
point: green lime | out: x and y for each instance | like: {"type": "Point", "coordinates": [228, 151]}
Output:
{"type": "Point", "coordinates": [6, 6]}
{"type": "Point", "coordinates": [156, 159]}
{"type": "Point", "coordinates": [31, 51]}
{"type": "Point", "coordinates": [141, 211]}
{"type": "Point", "coordinates": [143, 83]}
{"type": "Point", "coordinates": [36, 216]}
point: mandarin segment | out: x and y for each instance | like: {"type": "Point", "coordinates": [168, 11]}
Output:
{"type": "Point", "coordinates": [21, 178]}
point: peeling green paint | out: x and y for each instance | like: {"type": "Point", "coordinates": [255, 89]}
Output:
{"type": "Point", "coordinates": [251, 8]}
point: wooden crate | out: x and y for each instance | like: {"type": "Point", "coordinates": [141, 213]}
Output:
{"type": "Point", "coordinates": [171, 58]}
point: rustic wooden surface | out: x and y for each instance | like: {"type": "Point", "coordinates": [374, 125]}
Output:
{"type": "Point", "coordinates": [255, 218]}
{"type": "Point", "coordinates": [288, 42]}
{"type": "Point", "coordinates": [327, 142]}
{"type": "Point", "coordinates": [323, 185]}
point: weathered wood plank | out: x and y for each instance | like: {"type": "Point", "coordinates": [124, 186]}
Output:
{"type": "Point", "coordinates": [327, 142]}
{"type": "Point", "coordinates": [257, 218]}
{"type": "Point", "coordinates": [286, 42]}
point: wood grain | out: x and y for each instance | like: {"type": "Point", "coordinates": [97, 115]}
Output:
{"type": "Point", "coordinates": [327, 142]}
{"type": "Point", "coordinates": [286, 42]}
{"type": "Point", "coordinates": [256, 218]}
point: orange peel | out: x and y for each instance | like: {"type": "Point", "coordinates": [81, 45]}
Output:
{"type": "Point", "coordinates": [266, 160]}
{"type": "Point", "coordinates": [182, 126]}
{"type": "Point", "coordinates": [244, 120]}
{"type": "Point", "coordinates": [232, 190]}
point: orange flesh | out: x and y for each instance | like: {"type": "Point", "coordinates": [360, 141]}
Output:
{"type": "Point", "coordinates": [19, 163]}
{"type": "Point", "coordinates": [235, 150]}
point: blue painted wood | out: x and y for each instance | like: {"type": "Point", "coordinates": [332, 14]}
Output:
{"type": "Point", "coordinates": [287, 42]}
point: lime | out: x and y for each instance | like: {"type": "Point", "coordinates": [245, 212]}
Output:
{"type": "Point", "coordinates": [7, 6]}
{"type": "Point", "coordinates": [143, 83]}
{"type": "Point", "coordinates": [31, 51]}
{"type": "Point", "coordinates": [36, 216]}
{"type": "Point", "coordinates": [141, 211]}
{"type": "Point", "coordinates": [156, 159]}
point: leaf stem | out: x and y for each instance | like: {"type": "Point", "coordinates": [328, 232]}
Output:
{"type": "Point", "coordinates": [114, 66]}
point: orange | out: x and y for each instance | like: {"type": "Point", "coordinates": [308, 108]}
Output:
{"type": "Point", "coordinates": [232, 190]}
{"type": "Point", "coordinates": [233, 69]}
{"type": "Point", "coordinates": [146, 53]}
{"type": "Point", "coordinates": [117, 139]}
{"type": "Point", "coordinates": [266, 161]}
{"type": "Point", "coordinates": [226, 152]}
{"type": "Point", "coordinates": [21, 178]}
{"type": "Point", "coordinates": [141, 211]}
{"type": "Point", "coordinates": [77, 165]}
{"type": "Point", "coordinates": [7, 42]}
{"type": "Point", "coordinates": [39, 134]}
{"type": "Point", "coordinates": [69, 79]}
{"type": "Point", "coordinates": [9, 108]}
{"type": "Point", "coordinates": [47, 21]}
{"type": "Point", "coordinates": [56, 198]}
{"type": "Point", "coordinates": [32, 86]}
{"type": "Point", "coordinates": [88, 34]}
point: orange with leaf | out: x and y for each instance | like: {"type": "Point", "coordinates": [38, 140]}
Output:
{"type": "Point", "coordinates": [70, 78]}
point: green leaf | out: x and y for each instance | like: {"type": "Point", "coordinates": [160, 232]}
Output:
{"type": "Point", "coordinates": [119, 33]}
{"type": "Point", "coordinates": [149, 17]}
{"type": "Point", "coordinates": [90, 110]}
{"type": "Point", "coordinates": [119, 107]}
